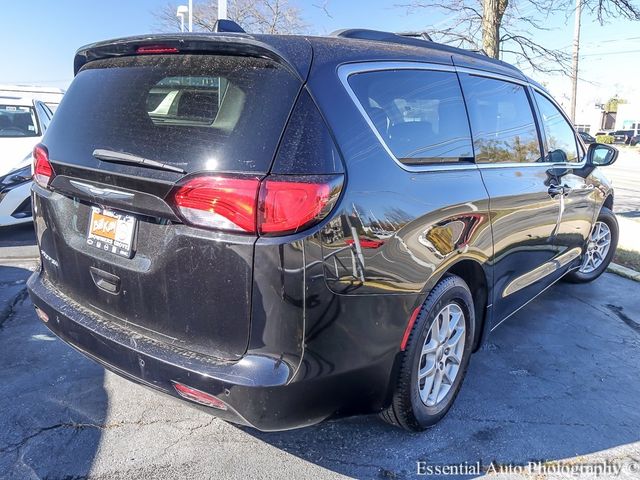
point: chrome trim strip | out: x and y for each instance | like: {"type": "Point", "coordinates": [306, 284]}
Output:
{"type": "Point", "coordinates": [529, 301]}
{"type": "Point", "coordinates": [348, 69]}
{"type": "Point", "coordinates": [497, 76]}
{"type": "Point", "coordinates": [96, 191]}
{"type": "Point", "coordinates": [528, 164]}
{"type": "Point", "coordinates": [542, 271]}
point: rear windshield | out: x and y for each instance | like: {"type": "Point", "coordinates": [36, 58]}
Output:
{"type": "Point", "coordinates": [17, 121]}
{"type": "Point", "coordinates": [198, 112]}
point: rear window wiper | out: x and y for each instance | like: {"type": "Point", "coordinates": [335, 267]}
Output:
{"type": "Point", "coordinates": [128, 158]}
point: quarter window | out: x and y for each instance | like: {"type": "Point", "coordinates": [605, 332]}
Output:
{"type": "Point", "coordinates": [561, 140]}
{"type": "Point", "coordinates": [502, 122]}
{"type": "Point", "coordinates": [419, 114]}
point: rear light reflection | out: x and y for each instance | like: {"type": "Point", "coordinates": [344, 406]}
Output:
{"type": "Point", "coordinates": [276, 205]}
{"type": "Point", "coordinates": [42, 169]}
{"type": "Point", "coordinates": [199, 396]}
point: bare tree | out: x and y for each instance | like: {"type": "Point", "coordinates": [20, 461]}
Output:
{"type": "Point", "coordinates": [510, 26]}
{"type": "Point", "coordinates": [255, 16]}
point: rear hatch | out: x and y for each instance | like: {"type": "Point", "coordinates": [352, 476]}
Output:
{"type": "Point", "coordinates": [177, 115]}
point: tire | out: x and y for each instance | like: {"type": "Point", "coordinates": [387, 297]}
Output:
{"type": "Point", "coordinates": [407, 409]}
{"type": "Point", "coordinates": [581, 275]}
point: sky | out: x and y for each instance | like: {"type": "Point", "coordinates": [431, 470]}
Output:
{"type": "Point", "coordinates": [41, 37]}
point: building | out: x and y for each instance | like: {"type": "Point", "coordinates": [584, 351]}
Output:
{"type": "Point", "coordinates": [628, 116]}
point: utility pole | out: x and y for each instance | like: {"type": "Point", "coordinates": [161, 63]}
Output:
{"type": "Point", "coordinates": [576, 55]}
{"type": "Point", "coordinates": [191, 15]}
{"type": "Point", "coordinates": [222, 9]}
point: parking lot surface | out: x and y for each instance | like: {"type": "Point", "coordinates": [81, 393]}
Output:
{"type": "Point", "coordinates": [558, 382]}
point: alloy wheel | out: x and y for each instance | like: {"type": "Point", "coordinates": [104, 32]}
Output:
{"type": "Point", "coordinates": [597, 247]}
{"type": "Point", "coordinates": [441, 355]}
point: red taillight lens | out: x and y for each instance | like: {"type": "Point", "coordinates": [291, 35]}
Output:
{"type": "Point", "coordinates": [288, 205]}
{"type": "Point", "coordinates": [199, 396]}
{"type": "Point", "coordinates": [155, 49]}
{"type": "Point", "coordinates": [42, 169]}
{"type": "Point", "coordinates": [223, 203]}
{"type": "Point", "coordinates": [275, 206]}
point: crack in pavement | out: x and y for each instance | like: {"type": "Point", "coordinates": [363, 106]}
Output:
{"type": "Point", "coordinates": [618, 311]}
{"type": "Point", "coordinates": [81, 426]}
{"type": "Point", "coordinates": [9, 311]}
{"type": "Point", "coordinates": [615, 309]}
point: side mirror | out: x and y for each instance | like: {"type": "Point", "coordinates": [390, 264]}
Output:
{"type": "Point", "coordinates": [601, 155]}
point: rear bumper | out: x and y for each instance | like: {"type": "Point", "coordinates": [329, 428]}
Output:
{"type": "Point", "coordinates": [257, 389]}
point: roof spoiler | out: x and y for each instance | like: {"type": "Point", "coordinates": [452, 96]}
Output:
{"type": "Point", "coordinates": [225, 43]}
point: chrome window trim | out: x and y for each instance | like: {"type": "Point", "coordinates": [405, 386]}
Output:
{"type": "Point", "coordinates": [348, 69]}
{"type": "Point", "coordinates": [495, 76]}
{"type": "Point", "coordinates": [583, 162]}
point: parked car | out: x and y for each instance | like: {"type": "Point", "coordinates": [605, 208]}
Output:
{"type": "Point", "coordinates": [316, 228]}
{"type": "Point", "coordinates": [50, 96]}
{"type": "Point", "coordinates": [634, 140]}
{"type": "Point", "coordinates": [15, 195]}
{"type": "Point", "coordinates": [622, 136]}
{"type": "Point", "coordinates": [22, 123]}
{"type": "Point", "coordinates": [586, 138]}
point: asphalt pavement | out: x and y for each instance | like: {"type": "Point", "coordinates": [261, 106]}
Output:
{"type": "Point", "coordinates": [558, 382]}
{"type": "Point", "coordinates": [625, 177]}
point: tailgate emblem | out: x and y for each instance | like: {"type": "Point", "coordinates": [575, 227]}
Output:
{"type": "Point", "coordinates": [100, 192]}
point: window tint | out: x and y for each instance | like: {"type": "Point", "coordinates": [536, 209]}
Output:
{"type": "Point", "coordinates": [561, 141]}
{"type": "Point", "coordinates": [419, 114]}
{"type": "Point", "coordinates": [198, 112]}
{"type": "Point", "coordinates": [501, 121]}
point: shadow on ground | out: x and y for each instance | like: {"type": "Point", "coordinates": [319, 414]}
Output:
{"type": "Point", "coordinates": [51, 400]}
{"type": "Point", "coordinates": [559, 380]}
{"type": "Point", "coordinates": [17, 236]}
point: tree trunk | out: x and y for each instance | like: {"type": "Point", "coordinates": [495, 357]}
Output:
{"type": "Point", "coordinates": [492, 13]}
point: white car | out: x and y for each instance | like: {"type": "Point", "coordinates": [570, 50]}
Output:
{"type": "Point", "coordinates": [15, 195]}
{"type": "Point", "coordinates": [23, 120]}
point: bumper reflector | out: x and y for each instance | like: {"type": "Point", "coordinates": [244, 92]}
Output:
{"type": "Point", "coordinates": [199, 396]}
{"type": "Point", "coordinates": [41, 315]}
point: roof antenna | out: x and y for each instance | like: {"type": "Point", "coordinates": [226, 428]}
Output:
{"type": "Point", "coordinates": [227, 26]}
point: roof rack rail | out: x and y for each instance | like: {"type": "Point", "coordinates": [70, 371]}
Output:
{"type": "Point", "coordinates": [409, 38]}
{"type": "Point", "coordinates": [228, 26]}
{"type": "Point", "coordinates": [418, 35]}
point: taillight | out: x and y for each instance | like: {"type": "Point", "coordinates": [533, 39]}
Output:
{"type": "Point", "coordinates": [42, 169]}
{"type": "Point", "coordinates": [274, 206]}
{"type": "Point", "coordinates": [222, 203]}
{"type": "Point", "coordinates": [290, 204]}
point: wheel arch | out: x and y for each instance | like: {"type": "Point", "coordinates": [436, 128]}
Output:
{"type": "Point", "coordinates": [476, 277]}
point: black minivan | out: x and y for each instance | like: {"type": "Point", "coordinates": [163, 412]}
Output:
{"type": "Point", "coordinates": [283, 229]}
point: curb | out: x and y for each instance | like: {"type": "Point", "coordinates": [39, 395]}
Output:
{"type": "Point", "coordinates": [29, 252]}
{"type": "Point", "coordinates": [624, 272]}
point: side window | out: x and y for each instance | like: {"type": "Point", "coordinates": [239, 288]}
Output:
{"type": "Point", "coordinates": [419, 114]}
{"type": "Point", "coordinates": [561, 140]}
{"type": "Point", "coordinates": [502, 122]}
